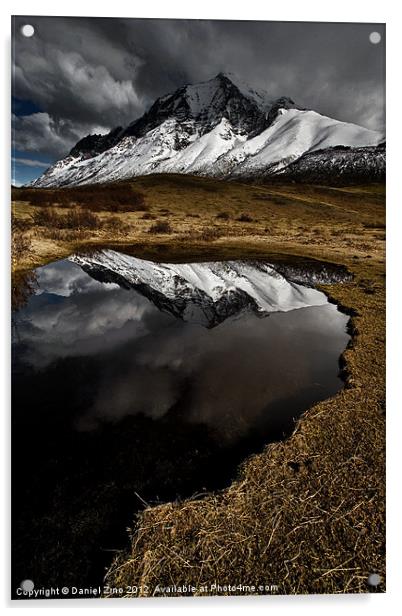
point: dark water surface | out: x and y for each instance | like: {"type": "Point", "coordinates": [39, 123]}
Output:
{"type": "Point", "coordinates": [113, 398]}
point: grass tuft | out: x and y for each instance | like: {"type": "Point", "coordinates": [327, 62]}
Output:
{"type": "Point", "coordinates": [160, 226]}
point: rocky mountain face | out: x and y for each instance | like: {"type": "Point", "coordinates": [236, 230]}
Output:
{"type": "Point", "coordinates": [92, 145]}
{"type": "Point", "coordinates": [204, 105]}
{"type": "Point", "coordinates": [225, 129]}
{"type": "Point", "coordinates": [353, 165]}
{"type": "Point", "coordinates": [210, 293]}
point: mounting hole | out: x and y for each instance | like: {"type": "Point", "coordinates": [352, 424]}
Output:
{"type": "Point", "coordinates": [27, 585]}
{"type": "Point", "coordinates": [27, 30]}
{"type": "Point", "coordinates": [374, 579]}
{"type": "Point", "coordinates": [375, 38]}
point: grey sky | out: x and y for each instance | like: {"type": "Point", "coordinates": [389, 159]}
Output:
{"type": "Point", "coordinates": [91, 74]}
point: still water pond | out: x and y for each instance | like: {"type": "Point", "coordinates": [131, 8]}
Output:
{"type": "Point", "coordinates": [138, 381]}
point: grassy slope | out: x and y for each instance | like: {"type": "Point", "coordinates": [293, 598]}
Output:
{"type": "Point", "coordinates": [306, 514]}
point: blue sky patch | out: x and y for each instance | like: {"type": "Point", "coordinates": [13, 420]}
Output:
{"type": "Point", "coordinates": [21, 107]}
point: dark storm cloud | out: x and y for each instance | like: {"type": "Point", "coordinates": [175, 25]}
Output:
{"type": "Point", "coordinates": [89, 75]}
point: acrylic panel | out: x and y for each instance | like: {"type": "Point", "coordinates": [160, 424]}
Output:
{"type": "Point", "coordinates": [198, 308]}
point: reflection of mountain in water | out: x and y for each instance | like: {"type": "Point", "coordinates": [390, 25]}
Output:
{"type": "Point", "coordinates": [206, 293]}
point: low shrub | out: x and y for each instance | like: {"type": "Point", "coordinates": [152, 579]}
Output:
{"type": "Point", "coordinates": [78, 219]}
{"type": "Point", "coordinates": [244, 218]}
{"type": "Point", "coordinates": [46, 217]}
{"type": "Point", "coordinates": [161, 226]}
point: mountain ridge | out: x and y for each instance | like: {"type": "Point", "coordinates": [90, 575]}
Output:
{"type": "Point", "coordinates": [219, 128]}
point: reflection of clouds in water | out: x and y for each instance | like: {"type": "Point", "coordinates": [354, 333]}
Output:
{"type": "Point", "coordinates": [235, 371]}
{"type": "Point", "coordinates": [64, 278]}
{"type": "Point", "coordinates": [149, 362]}
{"type": "Point", "coordinates": [265, 362]}
{"type": "Point", "coordinates": [136, 389]}
{"type": "Point", "coordinates": [75, 315]}
{"type": "Point", "coordinates": [82, 324]}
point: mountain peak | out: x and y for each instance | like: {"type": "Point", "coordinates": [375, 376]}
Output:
{"type": "Point", "coordinates": [225, 77]}
{"type": "Point", "coordinates": [206, 103]}
{"type": "Point", "coordinates": [236, 86]}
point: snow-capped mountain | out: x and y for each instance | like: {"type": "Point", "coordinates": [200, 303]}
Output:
{"type": "Point", "coordinates": [220, 128]}
{"type": "Point", "coordinates": [206, 293]}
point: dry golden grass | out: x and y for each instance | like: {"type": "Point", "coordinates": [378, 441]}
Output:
{"type": "Point", "coordinates": [284, 218]}
{"type": "Point", "coordinates": [307, 514]}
